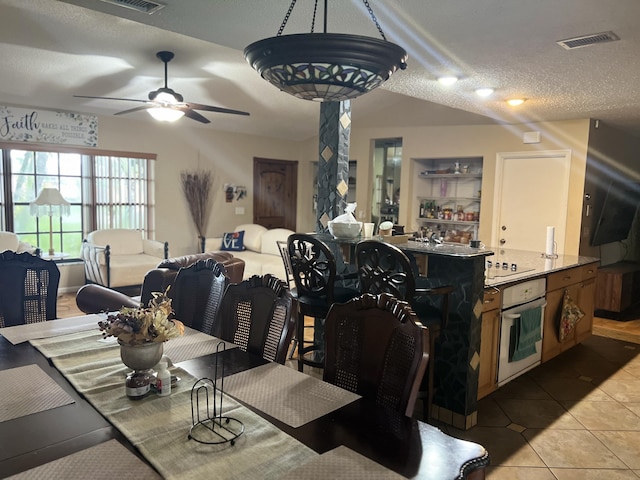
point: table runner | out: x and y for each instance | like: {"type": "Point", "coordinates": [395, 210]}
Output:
{"type": "Point", "coordinates": [190, 345]}
{"type": "Point", "coordinates": [286, 394]}
{"type": "Point", "coordinates": [158, 426]}
{"type": "Point", "coordinates": [26, 390]}
{"type": "Point", "coordinates": [341, 463]}
{"type": "Point", "coordinates": [105, 461]}
{"type": "Point", "coordinates": [63, 326]}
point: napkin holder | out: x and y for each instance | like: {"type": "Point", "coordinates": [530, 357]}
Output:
{"type": "Point", "coordinates": [208, 424]}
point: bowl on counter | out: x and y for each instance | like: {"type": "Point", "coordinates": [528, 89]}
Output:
{"type": "Point", "coordinates": [345, 230]}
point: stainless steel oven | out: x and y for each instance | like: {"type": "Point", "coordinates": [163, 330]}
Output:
{"type": "Point", "coordinates": [521, 329]}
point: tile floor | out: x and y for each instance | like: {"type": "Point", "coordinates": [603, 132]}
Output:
{"type": "Point", "coordinates": [574, 417]}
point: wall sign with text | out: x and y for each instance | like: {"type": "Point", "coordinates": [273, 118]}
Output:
{"type": "Point", "coordinates": [48, 126]}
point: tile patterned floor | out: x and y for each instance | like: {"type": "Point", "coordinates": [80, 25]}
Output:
{"type": "Point", "coordinates": [575, 417]}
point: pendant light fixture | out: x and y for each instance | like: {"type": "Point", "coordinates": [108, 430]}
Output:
{"type": "Point", "coordinates": [325, 66]}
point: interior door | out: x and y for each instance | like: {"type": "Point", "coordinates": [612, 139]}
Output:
{"type": "Point", "coordinates": [532, 192]}
{"type": "Point", "coordinates": [275, 186]}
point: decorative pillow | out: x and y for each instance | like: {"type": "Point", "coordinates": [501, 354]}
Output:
{"type": "Point", "coordinates": [571, 314]}
{"type": "Point", "coordinates": [233, 242]}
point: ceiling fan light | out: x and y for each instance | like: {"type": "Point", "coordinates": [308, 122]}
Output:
{"type": "Point", "coordinates": [514, 102]}
{"type": "Point", "coordinates": [165, 114]}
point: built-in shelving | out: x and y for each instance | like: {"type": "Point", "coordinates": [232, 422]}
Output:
{"type": "Point", "coordinates": [448, 193]}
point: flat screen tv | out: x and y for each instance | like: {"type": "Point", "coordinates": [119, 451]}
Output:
{"type": "Point", "coordinates": [617, 212]}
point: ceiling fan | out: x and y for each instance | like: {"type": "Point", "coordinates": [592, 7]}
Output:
{"type": "Point", "coordinates": [167, 105]}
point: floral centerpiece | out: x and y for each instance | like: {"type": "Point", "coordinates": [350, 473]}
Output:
{"type": "Point", "coordinates": [141, 325]}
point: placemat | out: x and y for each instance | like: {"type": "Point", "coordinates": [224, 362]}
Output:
{"type": "Point", "coordinates": [52, 328]}
{"type": "Point", "coordinates": [26, 390]}
{"type": "Point", "coordinates": [341, 463]}
{"type": "Point", "coordinates": [286, 394]}
{"type": "Point", "coordinates": [105, 461]}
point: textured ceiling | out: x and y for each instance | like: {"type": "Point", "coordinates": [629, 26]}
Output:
{"type": "Point", "coordinates": [53, 49]}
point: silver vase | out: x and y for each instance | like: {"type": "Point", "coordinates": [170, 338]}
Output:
{"type": "Point", "coordinates": [143, 356]}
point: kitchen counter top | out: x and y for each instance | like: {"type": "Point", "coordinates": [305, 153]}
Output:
{"type": "Point", "coordinates": [445, 249]}
{"type": "Point", "coordinates": [528, 265]}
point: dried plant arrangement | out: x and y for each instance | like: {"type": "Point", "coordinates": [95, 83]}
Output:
{"type": "Point", "coordinates": [197, 186]}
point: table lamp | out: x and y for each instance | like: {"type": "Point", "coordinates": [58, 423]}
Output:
{"type": "Point", "coordinates": [50, 203]}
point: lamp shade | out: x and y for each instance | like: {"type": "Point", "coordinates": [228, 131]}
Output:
{"type": "Point", "coordinates": [325, 66]}
{"type": "Point", "coordinates": [50, 202]}
{"type": "Point", "coordinates": [167, 112]}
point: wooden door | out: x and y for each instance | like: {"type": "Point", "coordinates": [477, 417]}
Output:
{"type": "Point", "coordinates": [532, 192]}
{"type": "Point", "coordinates": [275, 186]}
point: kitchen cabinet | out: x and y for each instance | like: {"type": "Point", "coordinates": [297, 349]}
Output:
{"type": "Point", "coordinates": [489, 337]}
{"type": "Point", "coordinates": [580, 282]}
{"type": "Point", "coordinates": [448, 192]}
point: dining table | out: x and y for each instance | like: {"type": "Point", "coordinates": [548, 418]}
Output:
{"type": "Point", "coordinates": [64, 413]}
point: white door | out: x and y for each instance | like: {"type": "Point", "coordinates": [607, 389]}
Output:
{"type": "Point", "coordinates": [531, 193]}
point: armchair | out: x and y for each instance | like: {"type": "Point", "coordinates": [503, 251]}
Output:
{"type": "Point", "coordinates": [95, 298]}
{"type": "Point", "coordinates": [118, 258]}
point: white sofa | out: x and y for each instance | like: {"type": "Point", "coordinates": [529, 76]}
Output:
{"type": "Point", "coordinates": [10, 241]}
{"type": "Point", "coordinates": [120, 257]}
{"type": "Point", "coordinates": [261, 254]}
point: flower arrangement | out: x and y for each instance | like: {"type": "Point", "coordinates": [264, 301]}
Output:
{"type": "Point", "coordinates": [136, 326]}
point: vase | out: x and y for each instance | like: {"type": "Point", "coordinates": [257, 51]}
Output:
{"type": "Point", "coordinates": [143, 356]}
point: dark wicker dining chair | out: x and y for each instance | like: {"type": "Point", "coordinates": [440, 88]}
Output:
{"type": "Point", "coordinates": [28, 288]}
{"type": "Point", "coordinates": [384, 268]}
{"type": "Point", "coordinates": [258, 316]}
{"type": "Point", "coordinates": [376, 347]}
{"type": "Point", "coordinates": [314, 273]}
{"type": "Point", "coordinates": [197, 292]}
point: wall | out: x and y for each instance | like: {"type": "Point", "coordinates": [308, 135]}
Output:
{"type": "Point", "coordinates": [470, 141]}
{"type": "Point", "coordinates": [185, 146]}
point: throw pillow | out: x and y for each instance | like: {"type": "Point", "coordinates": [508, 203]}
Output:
{"type": "Point", "coordinates": [233, 241]}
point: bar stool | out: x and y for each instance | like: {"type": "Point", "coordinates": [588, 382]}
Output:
{"type": "Point", "coordinates": [384, 268]}
{"type": "Point", "coordinates": [314, 273]}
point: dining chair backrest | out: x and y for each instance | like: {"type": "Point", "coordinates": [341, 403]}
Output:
{"type": "Point", "coordinates": [257, 315]}
{"type": "Point", "coordinates": [28, 288]}
{"type": "Point", "coordinates": [376, 347]}
{"type": "Point", "coordinates": [384, 268]}
{"type": "Point", "coordinates": [313, 266]}
{"type": "Point", "coordinates": [192, 289]}
{"type": "Point", "coordinates": [288, 269]}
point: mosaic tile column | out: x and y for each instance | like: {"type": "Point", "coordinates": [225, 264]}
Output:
{"type": "Point", "coordinates": [333, 175]}
{"type": "Point", "coordinates": [333, 161]}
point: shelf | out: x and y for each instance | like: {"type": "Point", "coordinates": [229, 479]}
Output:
{"type": "Point", "coordinates": [445, 199]}
{"type": "Point", "coordinates": [447, 222]}
{"type": "Point", "coordinates": [449, 175]}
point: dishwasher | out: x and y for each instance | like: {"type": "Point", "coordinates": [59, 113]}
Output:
{"type": "Point", "coordinates": [521, 329]}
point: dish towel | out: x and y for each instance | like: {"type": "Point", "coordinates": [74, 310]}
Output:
{"type": "Point", "coordinates": [525, 333]}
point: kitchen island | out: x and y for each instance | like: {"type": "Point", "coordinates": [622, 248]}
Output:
{"type": "Point", "coordinates": [467, 351]}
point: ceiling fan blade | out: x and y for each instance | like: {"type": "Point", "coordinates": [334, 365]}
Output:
{"type": "Point", "coordinates": [209, 108]}
{"type": "Point", "coordinates": [113, 98]}
{"type": "Point", "coordinates": [136, 109]}
{"type": "Point", "coordinates": [192, 114]}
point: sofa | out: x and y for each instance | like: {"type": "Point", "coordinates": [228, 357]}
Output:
{"type": "Point", "coordinates": [120, 257]}
{"type": "Point", "coordinates": [10, 241]}
{"type": "Point", "coordinates": [260, 249]}
{"type": "Point", "coordinates": [94, 298]}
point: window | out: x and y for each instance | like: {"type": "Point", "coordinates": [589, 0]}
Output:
{"type": "Point", "coordinates": [104, 189]}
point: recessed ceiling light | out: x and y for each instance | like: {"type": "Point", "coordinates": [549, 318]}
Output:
{"type": "Point", "coordinates": [448, 80]}
{"type": "Point", "coordinates": [514, 102]}
{"type": "Point", "coordinates": [484, 92]}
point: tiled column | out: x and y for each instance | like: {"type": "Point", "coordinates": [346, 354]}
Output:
{"type": "Point", "coordinates": [333, 161]}
{"type": "Point", "coordinates": [333, 175]}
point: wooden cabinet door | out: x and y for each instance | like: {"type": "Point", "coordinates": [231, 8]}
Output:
{"type": "Point", "coordinates": [586, 302]}
{"type": "Point", "coordinates": [489, 336]}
